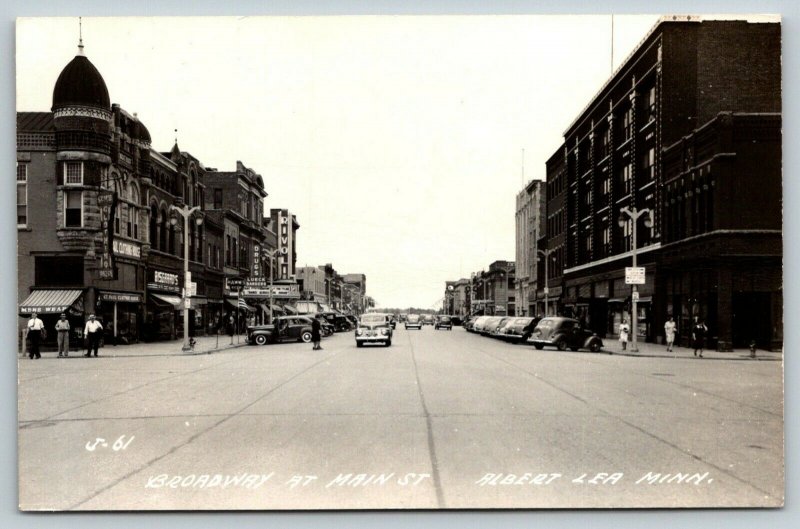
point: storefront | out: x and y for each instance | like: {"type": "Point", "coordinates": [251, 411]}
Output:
{"type": "Point", "coordinates": [121, 315]}
{"type": "Point", "coordinates": [49, 304]}
{"type": "Point", "coordinates": [163, 320]}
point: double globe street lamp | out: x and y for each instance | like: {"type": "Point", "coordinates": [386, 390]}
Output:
{"type": "Point", "coordinates": [186, 212]}
{"type": "Point", "coordinates": [631, 215]}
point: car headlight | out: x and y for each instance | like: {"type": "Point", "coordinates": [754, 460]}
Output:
{"type": "Point", "coordinates": [384, 331]}
{"type": "Point", "coordinates": [359, 332]}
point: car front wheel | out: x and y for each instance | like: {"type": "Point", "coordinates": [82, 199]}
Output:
{"type": "Point", "coordinates": [561, 345]}
{"type": "Point", "coordinates": [594, 347]}
{"type": "Point", "coordinates": [388, 343]}
{"type": "Point", "coordinates": [261, 339]}
{"type": "Point", "coordinates": [305, 337]}
{"type": "Point", "coordinates": [359, 344]}
{"type": "Point", "coordinates": [539, 346]}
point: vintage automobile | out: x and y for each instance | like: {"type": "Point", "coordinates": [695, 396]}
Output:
{"type": "Point", "coordinates": [518, 330]}
{"type": "Point", "coordinates": [470, 322]}
{"type": "Point", "coordinates": [563, 333]}
{"type": "Point", "coordinates": [443, 322]}
{"type": "Point", "coordinates": [478, 324]}
{"type": "Point", "coordinates": [338, 320]}
{"type": "Point", "coordinates": [284, 329]}
{"type": "Point", "coordinates": [490, 325]}
{"type": "Point", "coordinates": [427, 319]}
{"type": "Point", "coordinates": [374, 328]}
{"type": "Point", "coordinates": [413, 321]}
{"type": "Point", "coordinates": [326, 328]}
{"type": "Point", "coordinates": [494, 331]}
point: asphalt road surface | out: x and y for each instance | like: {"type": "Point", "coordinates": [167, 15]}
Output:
{"type": "Point", "coordinates": [441, 419]}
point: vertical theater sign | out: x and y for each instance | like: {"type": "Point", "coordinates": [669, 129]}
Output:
{"type": "Point", "coordinates": [107, 202]}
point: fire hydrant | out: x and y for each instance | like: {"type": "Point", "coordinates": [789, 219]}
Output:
{"type": "Point", "coordinates": [752, 348]}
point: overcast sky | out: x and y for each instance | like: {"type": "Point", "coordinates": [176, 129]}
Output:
{"type": "Point", "coordinates": [397, 141]}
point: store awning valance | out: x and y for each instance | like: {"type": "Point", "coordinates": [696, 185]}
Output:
{"type": "Point", "coordinates": [241, 304]}
{"type": "Point", "coordinates": [175, 301]}
{"type": "Point", "coordinates": [49, 301]}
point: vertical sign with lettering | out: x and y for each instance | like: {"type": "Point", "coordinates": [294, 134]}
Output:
{"type": "Point", "coordinates": [256, 261]}
{"type": "Point", "coordinates": [283, 243]}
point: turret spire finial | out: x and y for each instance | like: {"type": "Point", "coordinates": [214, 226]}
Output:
{"type": "Point", "coordinates": [80, 36]}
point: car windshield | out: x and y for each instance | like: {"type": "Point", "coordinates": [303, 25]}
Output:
{"type": "Point", "coordinates": [522, 321]}
{"type": "Point", "coordinates": [546, 324]}
{"type": "Point", "coordinates": [445, 318]}
{"type": "Point", "coordinates": [413, 317]}
{"type": "Point", "coordinates": [373, 318]}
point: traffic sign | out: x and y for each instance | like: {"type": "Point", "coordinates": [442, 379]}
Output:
{"type": "Point", "coordinates": [191, 289]}
{"type": "Point", "coordinates": [546, 291]}
{"type": "Point", "coordinates": [635, 296]}
{"type": "Point", "coordinates": [634, 275]}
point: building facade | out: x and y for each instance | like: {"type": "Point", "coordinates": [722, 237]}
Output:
{"type": "Point", "coordinates": [682, 76]}
{"type": "Point", "coordinates": [529, 214]}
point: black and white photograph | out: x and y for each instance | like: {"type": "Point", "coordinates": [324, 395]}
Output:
{"type": "Point", "coordinates": [399, 262]}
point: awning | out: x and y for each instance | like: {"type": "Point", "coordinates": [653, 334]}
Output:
{"type": "Point", "coordinates": [617, 300]}
{"type": "Point", "coordinates": [49, 301]}
{"type": "Point", "coordinates": [241, 304]}
{"type": "Point", "coordinates": [175, 301]}
{"type": "Point", "coordinates": [288, 309]}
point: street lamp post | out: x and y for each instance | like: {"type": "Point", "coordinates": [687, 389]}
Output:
{"type": "Point", "coordinates": [633, 216]}
{"type": "Point", "coordinates": [546, 253]}
{"type": "Point", "coordinates": [185, 212]}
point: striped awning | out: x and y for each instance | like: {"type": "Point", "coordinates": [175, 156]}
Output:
{"type": "Point", "coordinates": [49, 301]}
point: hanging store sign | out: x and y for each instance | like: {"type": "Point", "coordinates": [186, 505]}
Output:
{"type": "Point", "coordinates": [256, 260]}
{"type": "Point", "coordinates": [119, 297]}
{"type": "Point", "coordinates": [260, 288]}
{"type": "Point", "coordinates": [107, 203]}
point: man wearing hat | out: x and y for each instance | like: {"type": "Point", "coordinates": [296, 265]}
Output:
{"type": "Point", "coordinates": [35, 328]}
{"type": "Point", "coordinates": [62, 332]}
{"type": "Point", "coordinates": [93, 331]}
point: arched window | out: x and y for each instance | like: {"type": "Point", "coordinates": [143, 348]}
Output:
{"type": "Point", "coordinates": [162, 235]}
{"type": "Point", "coordinates": [154, 226]}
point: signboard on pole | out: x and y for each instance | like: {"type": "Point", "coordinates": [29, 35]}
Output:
{"type": "Point", "coordinates": [635, 296]}
{"type": "Point", "coordinates": [235, 283]}
{"type": "Point", "coordinates": [634, 275]}
{"type": "Point", "coordinates": [191, 289]}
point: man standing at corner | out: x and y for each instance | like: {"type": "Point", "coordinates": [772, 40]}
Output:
{"type": "Point", "coordinates": [315, 333]}
{"type": "Point", "coordinates": [93, 332]}
{"type": "Point", "coordinates": [62, 333]}
{"type": "Point", "coordinates": [35, 328]}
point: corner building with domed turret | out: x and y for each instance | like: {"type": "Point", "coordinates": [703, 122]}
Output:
{"type": "Point", "coordinates": [96, 232]}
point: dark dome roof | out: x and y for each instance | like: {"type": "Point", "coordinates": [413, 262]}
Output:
{"type": "Point", "coordinates": [80, 84]}
{"type": "Point", "coordinates": [140, 132]}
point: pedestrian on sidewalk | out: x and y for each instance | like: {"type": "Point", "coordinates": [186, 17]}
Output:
{"type": "Point", "coordinates": [62, 335]}
{"type": "Point", "coordinates": [35, 331]}
{"type": "Point", "coordinates": [93, 332]}
{"type": "Point", "coordinates": [230, 327]}
{"type": "Point", "coordinates": [315, 334]}
{"type": "Point", "coordinates": [669, 333]}
{"type": "Point", "coordinates": [623, 334]}
{"type": "Point", "coordinates": [699, 332]}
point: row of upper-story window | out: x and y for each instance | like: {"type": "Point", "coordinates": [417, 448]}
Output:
{"type": "Point", "coordinates": [250, 204]}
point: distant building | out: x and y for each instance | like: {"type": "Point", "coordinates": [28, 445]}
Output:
{"type": "Point", "coordinates": [529, 218]}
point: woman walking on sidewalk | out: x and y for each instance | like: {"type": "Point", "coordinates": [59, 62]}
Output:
{"type": "Point", "coordinates": [623, 334]}
{"type": "Point", "coordinates": [699, 336]}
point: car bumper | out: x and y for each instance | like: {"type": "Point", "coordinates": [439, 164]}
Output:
{"type": "Point", "coordinates": [413, 326]}
{"type": "Point", "coordinates": [374, 338]}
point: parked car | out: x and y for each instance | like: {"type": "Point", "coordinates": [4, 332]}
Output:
{"type": "Point", "coordinates": [563, 333]}
{"type": "Point", "coordinates": [444, 322]}
{"type": "Point", "coordinates": [518, 330]}
{"type": "Point", "coordinates": [374, 327]}
{"type": "Point", "coordinates": [457, 320]}
{"type": "Point", "coordinates": [413, 321]}
{"type": "Point", "coordinates": [477, 326]}
{"type": "Point", "coordinates": [470, 322]}
{"type": "Point", "coordinates": [283, 329]}
{"type": "Point", "coordinates": [495, 328]}
{"type": "Point", "coordinates": [338, 320]}
{"type": "Point", "coordinates": [490, 325]}
{"type": "Point", "coordinates": [427, 319]}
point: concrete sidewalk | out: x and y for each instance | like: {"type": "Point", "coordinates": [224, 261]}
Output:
{"type": "Point", "coordinates": [652, 350]}
{"type": "Point", "coordinates": [204, 345]}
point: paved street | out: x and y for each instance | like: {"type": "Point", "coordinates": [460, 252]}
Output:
{"type": "Point", "coordinates": [438, 420]}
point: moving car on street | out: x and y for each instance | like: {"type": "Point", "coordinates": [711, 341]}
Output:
{"type": "Point", "coordinates": [562, 333]}
{"type": "Point", "coordinates": [427, 319]}
{"type": "Point", "coordinates": [444, 322]}
{"type": "Point", "coordinates": [374, 327]}
{"type": "Point", "coordinates": [283, 329]}
{"type": "Point", "coordinates": [413, 321]}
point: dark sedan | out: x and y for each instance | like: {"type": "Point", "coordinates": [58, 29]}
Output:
{"type": "Point", "coordinates": [563, 333]}
{"type": "Point", "coordinates": [283, 329]}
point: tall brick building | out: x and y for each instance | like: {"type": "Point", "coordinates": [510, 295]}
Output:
{"type": "Point", "coordinates": [707, 92]}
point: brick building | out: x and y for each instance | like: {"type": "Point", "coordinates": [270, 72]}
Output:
{"type": "Point", "coordinates": [96, 228]}
{"type": "Point", "coordinates": [674, 85]}
{"type": "Point", "coordinates": [493, 290]}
